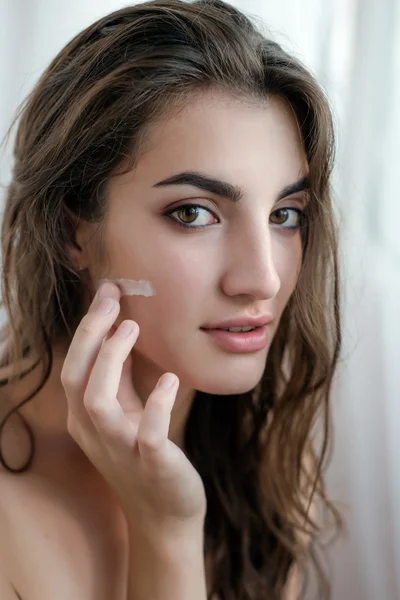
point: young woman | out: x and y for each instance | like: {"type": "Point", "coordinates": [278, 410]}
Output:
{"type": "Point", "coordinates": [169, 142]}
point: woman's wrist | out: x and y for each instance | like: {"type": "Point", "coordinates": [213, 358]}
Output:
{"type": "Point", "coordinates": [167, 537]}
{"type": "Point", "coordinates": [166, 565]}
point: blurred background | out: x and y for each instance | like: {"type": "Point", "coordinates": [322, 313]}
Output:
{"type": "Point", "coordinates": [353, 47]}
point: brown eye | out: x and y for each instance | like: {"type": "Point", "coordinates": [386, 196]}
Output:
{"type": "Point", "coordinates": [189, 212]}
{"type": "Point", "coordinates": [282, 216]}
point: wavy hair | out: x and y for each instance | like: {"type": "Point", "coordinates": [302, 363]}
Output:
{"type": "Point", "coordinates": [86, 119]}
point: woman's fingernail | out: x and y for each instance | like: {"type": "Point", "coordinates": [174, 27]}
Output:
{"type": "Point", "coordinates": [166, 381]}
{"type": "Point", "coordinates": [106, 305]}
{"type": "Point", "coordinates": [105, 290]}
{"type": "Point", "coordinates": [125, 328]}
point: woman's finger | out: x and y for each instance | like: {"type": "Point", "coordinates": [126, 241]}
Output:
{"type": "Point", "coordinates": [85, 346]}
{"type": "Point", "coordinates": [100, 398]}
{"type": "Point", "coordinates": [154, 425]}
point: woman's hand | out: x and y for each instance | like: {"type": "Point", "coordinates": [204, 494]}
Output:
{"type": "Point", "coordinates": [128, 443]}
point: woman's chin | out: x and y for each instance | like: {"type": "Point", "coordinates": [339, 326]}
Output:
{"type": "Point", "coordinates": [227, 388]}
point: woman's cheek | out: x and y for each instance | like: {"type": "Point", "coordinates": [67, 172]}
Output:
{"type": "Point", "coordinates": [288, 269]}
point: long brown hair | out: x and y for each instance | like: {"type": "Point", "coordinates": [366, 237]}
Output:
{"type": "Point", "coordinates": [86, 119]}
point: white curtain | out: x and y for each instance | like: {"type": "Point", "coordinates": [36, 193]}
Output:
{"type": "Point", "coordinates": [353, 46]}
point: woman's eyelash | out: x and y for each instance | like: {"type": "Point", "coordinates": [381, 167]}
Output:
{"type": "Point", "coordinates": [299, 211]}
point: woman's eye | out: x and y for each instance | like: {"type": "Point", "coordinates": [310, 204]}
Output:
{"type": "Point", "coordinates": [294, 223]}
{"type": "Point", "coordinates": [189, 214]}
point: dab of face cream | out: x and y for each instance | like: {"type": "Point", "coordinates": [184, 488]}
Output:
{"type": "Point", "coordinates": [131, 287]}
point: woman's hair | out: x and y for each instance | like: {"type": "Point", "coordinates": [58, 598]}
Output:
{"type": "Point", "coordinates": [87, 119]}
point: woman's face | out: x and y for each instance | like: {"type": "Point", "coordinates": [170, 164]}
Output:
{"type": "Point", "coordinates": [243, 261]}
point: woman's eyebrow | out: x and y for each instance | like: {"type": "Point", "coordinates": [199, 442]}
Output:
{"type": "Point", "coordinates": [225, 189]}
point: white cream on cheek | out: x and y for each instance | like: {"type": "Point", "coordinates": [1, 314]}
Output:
{"type": "Point", "coordinates": [131, 287]}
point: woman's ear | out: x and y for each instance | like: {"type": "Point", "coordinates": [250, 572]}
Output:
{"type": "Point", "coordinates": [76, 233]}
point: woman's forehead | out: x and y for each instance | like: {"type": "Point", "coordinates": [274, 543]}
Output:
{"type": "Point", "coordinates": [230, 140]}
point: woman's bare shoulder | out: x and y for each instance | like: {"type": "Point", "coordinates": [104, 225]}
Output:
{"type": "Point", "coordinates": [59, 538]}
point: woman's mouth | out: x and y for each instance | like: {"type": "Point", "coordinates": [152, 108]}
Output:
{"type": "Point", "coordinates": [240, 341]}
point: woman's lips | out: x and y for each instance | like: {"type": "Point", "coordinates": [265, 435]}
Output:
{"type": "Point", "coordinates": [250, 341]}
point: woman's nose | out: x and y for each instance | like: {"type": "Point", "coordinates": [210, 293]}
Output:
{"type": "Point", "coordinates": [252, 269]}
